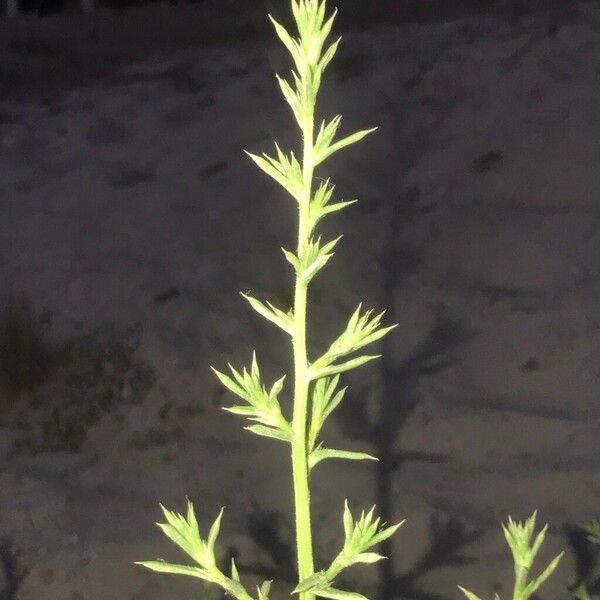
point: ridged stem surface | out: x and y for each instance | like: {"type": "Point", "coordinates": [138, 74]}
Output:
{"type": "Point", "coordinates": [301, 384]}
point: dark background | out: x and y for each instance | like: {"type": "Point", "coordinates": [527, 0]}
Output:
{"type": "Point", "coordinates": [71, 47]}
{"type": "Point", "coordinates": [129, 220]}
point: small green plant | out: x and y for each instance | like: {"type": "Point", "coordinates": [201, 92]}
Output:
{"type": "Point", "coordinates": [524, 549]}
{"type": "Point", "coordinates": [316, 391]}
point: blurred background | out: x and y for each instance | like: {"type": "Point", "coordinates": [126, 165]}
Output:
{"type": "Point", "coordinates": [130, 219]}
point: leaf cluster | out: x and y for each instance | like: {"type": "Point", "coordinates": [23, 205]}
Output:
{"type": "Point", "coordinates": [359, 538]}
{"type": "Point", "coordinates": [361, 330]}
{"type": "Point", "coordinates": [325, 399]}
{"type": "Point", "coordinates": [184, 531]}
{"type": "Point", "coordinates": [262, 405]}
{"type": "Point", "coordinates": [320, 204]}
{"type": "Point", "coordinates": [307, 54]}
{"type": "Point", "coordinates": [313, 256]}
{"type": "Point", "coordinates": [300, 92]}
{"type": "Point", "coordinates": [285, 170]}
{"type": "Point", "coordinates": [524, 548]}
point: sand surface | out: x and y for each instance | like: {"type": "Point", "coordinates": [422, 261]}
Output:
{"type": "Point", "coordinates": [130, 219]}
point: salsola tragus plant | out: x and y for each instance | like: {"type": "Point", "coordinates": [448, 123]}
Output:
{"type": "Point", "coordinates": [316, 390]}
{"type": "Point", "coordinates": [524, 548]}
{"type": "Point", "coordinates": [316, 383]}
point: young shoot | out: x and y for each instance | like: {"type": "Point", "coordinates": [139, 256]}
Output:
{"type": "Point", "coordinates": [524, 548]}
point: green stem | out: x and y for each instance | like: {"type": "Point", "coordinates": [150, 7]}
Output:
{"type": "Point", "coordinates": [520, 583]}
{"type": "Point", "coordinates": [300, 417]}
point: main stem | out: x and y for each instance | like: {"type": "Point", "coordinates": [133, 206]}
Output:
{"type": "Point", "coordinates": [300, 416]}
{"type": "Point", "coordinates": [520, 582]}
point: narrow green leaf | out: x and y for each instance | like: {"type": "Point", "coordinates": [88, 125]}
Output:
{"type": "Point", "coordinates": [165, 567]}
{"type": "Point", "coordinates": [359, 537]}
{"type": "Point", "coordinates": [271, 313]}
{"type": "Point", "coordinates": [324, 401]}
{"type": "Point", "coordinates": [328, 247]}
{"type": "Point", "coordinates": [326, 28]}
{"type": "Point", "coordinates": [270, 432]}
{"type": "Point", "coordinates": [276, 388]}
{"type": "Point", "coordinates": [338, 206]}
{"type": "Point", "coordinates": [368, 557]}
{"type": "Point", "coordinates": [179, 537]}
{"type": "Point", "coordinates": [269, 417]}
{"type": "Point", "coordinates": [532, 586]}
{"type": "Point", "coordinates": [291, 44]}
{"type": "Point", "coordinates": [362, 329]}
{"type": "Point", "coordinates": [468, 594]}
{"type": "Point", "coordinates": [300, 16]}
{"type": "Point", "coordinates": [214, 532]}
{"type": "Point", "coordinates": [269, 169]}
{"type": "Point", "coordinates": [334, 402]}
{"type": "Point", "coordinates": [336, 594]}
{"type": "Point", "coordinates": [243, 378]}
{"type": "Point", "coordinates": [173, 519]}
{"type": "Point", "coordinates": [386, 533]}
{"type": "Point", "coordinates": [243, 411]}
{"type": "Point", "coordinates": [235, 575]}
{"type": "Point", "coordinates": [312, 259]}
{"type": "Point", "coordinates": [234, 588]}
{"type": "Point", "coordinates": [342, 367]}
{"type": "Point", "coordinates": [292, 259]}
{"type": "Point", "coordinates": [377, 335]}
{"type": "Point", "coordinates": [192, 521]}
{"type": "Point", "coordinates": [343, 143]}
{"type": "Point", "coordinates": [263, 406]}
{"type": "Point", "coordinates": [326, 135]}
{"type": "Point", "coordinates": [320, 203]}
{"type": "Point", "coordinates": [231, 385]}
{"type": "Point", "coordinates": [319, 17]}
{"type": "Point", "coordinates": [539, 540]}
{"type": "Point", "coordinates": [311, 270]}
{"type": "Point", "coordinates": [348, 521]}
{"type": "Point", "coordinates": [316, 258]}
{"type": "Point", "coordinates": [318, 579]}
{"type": "Point", "coordinates": [296, 11]}
{"type": "Point", "coordinates": [263, 590]}
{"type": "Point", "coordinates": [329, 54]}
{"type": "Point", "coordinates": [292, 99]}
{"type": "Point", "coordinates": [285, 171]}
{"type": "Point", "coordinates": [319, 454]}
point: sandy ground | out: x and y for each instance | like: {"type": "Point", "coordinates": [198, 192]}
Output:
{"type": "Point", "coordinates": [130, 219]}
